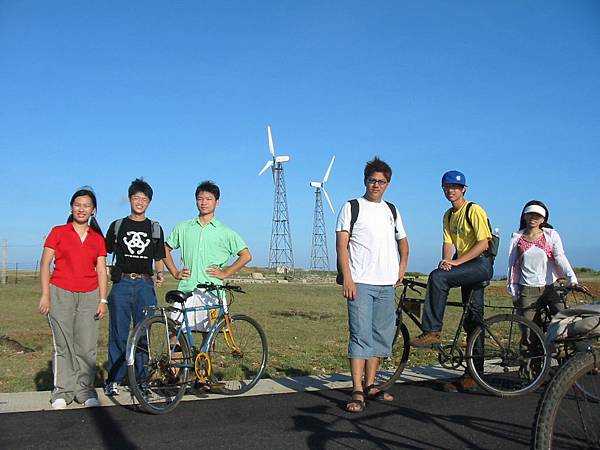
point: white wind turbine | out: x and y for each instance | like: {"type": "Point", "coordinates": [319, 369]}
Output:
{"type": "Point", "coordinates": [275, 159]}
{"type": "Point", "coordinates": [281, 257]}
{"type": "Point", "coordinates": [319, 257]}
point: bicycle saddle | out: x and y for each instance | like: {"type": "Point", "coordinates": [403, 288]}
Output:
{"type": "Point", "coordinates": [177, 296]}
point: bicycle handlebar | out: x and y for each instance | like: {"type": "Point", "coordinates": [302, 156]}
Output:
{"type": "Point", "coordinates": [218, 287]}
{"type": "Point", "coordinates": [565, 289]}
{"type": "Point", "coordinates": [411, 283]}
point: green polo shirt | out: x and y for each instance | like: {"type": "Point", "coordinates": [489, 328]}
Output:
{"type": "Point", "coordinates": [201, 246]}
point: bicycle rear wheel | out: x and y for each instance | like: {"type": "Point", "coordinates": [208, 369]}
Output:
{"type": "Point", "coordinates": [567, 416]}
{"type": "Point", "coordinates": [238, 355]}
{"type": "Point", "coordinates": [391, 368]}
{"type": "Point", "coordinates": [514, 360]}
{"type": "Point", "coordinates": [158, 367]}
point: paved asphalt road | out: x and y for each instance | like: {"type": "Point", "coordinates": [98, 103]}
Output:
{"type": "Point", "coordinates": [422, 416]}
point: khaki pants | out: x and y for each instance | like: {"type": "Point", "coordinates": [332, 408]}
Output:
{"type": "Point", "coordinates": [75, 336]}
{"type": "Point", "coordinates": [530, 302]}
{"type": "Point", "coordinates": [532, 299]}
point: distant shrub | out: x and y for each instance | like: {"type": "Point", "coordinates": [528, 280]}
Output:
{"type": "Point", "coordinates": [584, 270]}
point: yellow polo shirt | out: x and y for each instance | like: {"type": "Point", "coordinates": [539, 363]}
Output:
{"type": "Point", "coordinates": [458, 232]}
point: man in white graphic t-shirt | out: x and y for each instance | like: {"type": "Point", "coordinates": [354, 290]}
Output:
{"type": "Point", "coordinates": [372, 253]}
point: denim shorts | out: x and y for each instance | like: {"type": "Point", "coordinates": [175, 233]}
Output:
{"type": "Point", "coordinates": [371, 321]}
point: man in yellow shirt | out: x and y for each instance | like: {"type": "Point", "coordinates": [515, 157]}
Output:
{"type": "Point", "coordinates": [465, 263]}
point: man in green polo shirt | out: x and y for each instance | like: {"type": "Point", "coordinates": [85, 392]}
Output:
{"type": "Point", "coordinates": [206, 246]}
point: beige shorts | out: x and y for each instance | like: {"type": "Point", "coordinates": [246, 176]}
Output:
{"type": "Point", "coordinates": [200, 320]}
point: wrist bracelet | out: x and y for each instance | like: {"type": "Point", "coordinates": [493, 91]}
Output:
{"type": "Point", "coordinates": [103, 300]}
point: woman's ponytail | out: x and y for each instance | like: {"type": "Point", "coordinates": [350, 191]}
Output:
{"type": "Point", "coordinates": [95, 226]}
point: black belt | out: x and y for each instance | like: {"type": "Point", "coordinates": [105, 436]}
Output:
{"type": "Point", "coordinates": [136, 276]}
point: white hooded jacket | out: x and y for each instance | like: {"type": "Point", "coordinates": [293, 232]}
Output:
{"type": "Point", "coordinates": [557, 267]}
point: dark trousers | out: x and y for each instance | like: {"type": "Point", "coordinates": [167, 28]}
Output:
{"type": "Point", "coordinates": [126, 302]}
{"type": "Point", "coordinates": [464, 276]}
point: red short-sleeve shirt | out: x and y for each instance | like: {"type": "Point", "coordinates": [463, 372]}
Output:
{"type": "Point", "coordinates": [75, 261]}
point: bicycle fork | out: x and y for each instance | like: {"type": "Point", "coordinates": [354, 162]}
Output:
{"type": "Point", "coordinates": [229, 338]}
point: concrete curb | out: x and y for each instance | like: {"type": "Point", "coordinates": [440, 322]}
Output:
{"type": "Point", "coordinates": [40, 400]}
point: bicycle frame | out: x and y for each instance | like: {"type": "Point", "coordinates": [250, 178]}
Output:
{"type": "Point", "coordinates": [189, 335]}
{"type": "Point", "coordinates": [403, 307]}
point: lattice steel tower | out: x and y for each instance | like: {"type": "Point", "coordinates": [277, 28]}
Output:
{"type": "Point", "coordinates": [319, 256]}
{"type": "Point", "coordinates": [281, 257]}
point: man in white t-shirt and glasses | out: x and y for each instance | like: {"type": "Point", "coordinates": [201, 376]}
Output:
{"type": "Point", "coordinates": [372, 253]}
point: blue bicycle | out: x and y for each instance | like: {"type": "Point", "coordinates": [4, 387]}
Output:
{"type": "Point", "coordinates": [163, 358]}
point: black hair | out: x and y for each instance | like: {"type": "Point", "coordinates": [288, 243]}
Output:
{"type": "Point", "coordinates": [544, 224]}
{"type": "Point", "coordinates": [90, 193]}
{"type": "Point", "coordinates": [139, 185]}
{"type": "Point", "coordinates": [208, 186]}
{"type": "Point", "coordinates": [377, 165]}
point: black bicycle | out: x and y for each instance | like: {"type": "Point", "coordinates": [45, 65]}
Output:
{"type": "Point", "coordinates": [509, 367]}
{"type": "Point", "coordinates": [568, 414]}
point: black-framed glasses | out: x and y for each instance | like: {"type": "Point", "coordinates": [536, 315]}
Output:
{"type": "Point", "coordinates": [376, 181]}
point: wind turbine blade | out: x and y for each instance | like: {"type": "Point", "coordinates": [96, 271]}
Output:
{"type": "Point", "coordinates": [328, 200]}
{"type": "Point", "coordinates": [271, 146]}
{"type": "Point", "coordinates": [328, 169]}
{"type": "Point", "coordinates": [267, 165]}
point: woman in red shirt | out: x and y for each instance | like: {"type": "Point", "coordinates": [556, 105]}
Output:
{"type": "Point", "coordinates": [74, 298]}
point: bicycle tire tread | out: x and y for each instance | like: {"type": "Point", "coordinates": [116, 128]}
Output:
{"type": "Point", "coordinates": [547, 408]}
{"type": "Point", "coordinates": [481, 382]}
{"type": "Point", "coordinates": [131, 370]}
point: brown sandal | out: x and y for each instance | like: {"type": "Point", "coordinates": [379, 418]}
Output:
{"type": "Point", "coordinates": [360, 404]}
{"type": "Point", "coordinates": [379, 395]}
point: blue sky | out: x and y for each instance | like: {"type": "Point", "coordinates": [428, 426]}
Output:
{"type": "Point", "coordinates": [99, 93]}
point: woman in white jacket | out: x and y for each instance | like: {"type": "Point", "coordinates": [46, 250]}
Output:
{"type": "Point", "coordinates": [536, 260]}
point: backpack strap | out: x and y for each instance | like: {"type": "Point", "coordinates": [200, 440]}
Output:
{"type": "Point", "coordinates": [468, 217]}
{"type": "Point", "coordinates": [353, 213]}
{"type": "Point", "coordinates": [155, 231]}
{"type": "Point", "coordinates": [116, 229]}
{"type": "Point", "coordinates": [118, 224]}
{"type": "Point", "coordinates": [395, 214]}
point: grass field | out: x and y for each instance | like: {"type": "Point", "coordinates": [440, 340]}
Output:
{"type": "Point", "coordinates": [306, 326]}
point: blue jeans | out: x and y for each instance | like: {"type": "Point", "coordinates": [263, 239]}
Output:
{"type": "Point", "coordinates": [126, 302]}
{"type": "Point", "coordinates": [371, 321]}
{"type": "Point", "coordinates": [463, 276]}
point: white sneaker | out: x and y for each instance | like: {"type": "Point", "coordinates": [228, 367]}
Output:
{"type": "Point", "coordinates": [91, 402]}
{"type": "Point", "coordinates": [111, 389]}
{"type": "Point", "coordinates": [59, 403]}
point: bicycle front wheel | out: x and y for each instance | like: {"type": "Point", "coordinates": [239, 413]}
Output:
{"type": "Point", "coordinates": [391, 368]}
{"type": "Point", "coordinates": [514, 360]}
{"type": "Point", "coordinates": [567, 415]}
{"type": "Point", "coordinates": [159, 368]}
{"type": "Point", "coordinates": [238, 355]}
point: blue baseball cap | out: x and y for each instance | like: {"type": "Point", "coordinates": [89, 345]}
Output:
{"type": "Point", "coordinates": [454, 177]}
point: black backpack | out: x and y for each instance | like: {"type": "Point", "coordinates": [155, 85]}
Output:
{"type": "Point", "coordinates": [493, 244]}
{"type": "Point", "coordinates": [339, 279]}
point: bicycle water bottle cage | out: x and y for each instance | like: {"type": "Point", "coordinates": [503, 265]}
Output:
{"type": "Point", "coordinates": [177, 296]}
